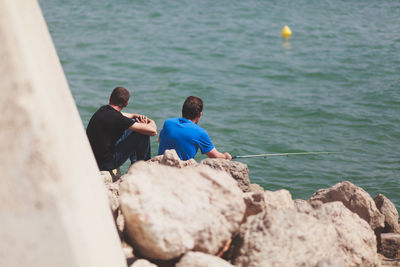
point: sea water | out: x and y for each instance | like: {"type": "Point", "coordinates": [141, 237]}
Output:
{"type": "Point", "coordinates": [333, 86]}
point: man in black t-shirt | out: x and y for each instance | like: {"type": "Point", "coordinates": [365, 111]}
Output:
{"type": "Point", "coordinates": [115, 136]}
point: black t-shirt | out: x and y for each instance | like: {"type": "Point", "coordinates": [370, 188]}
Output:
{"type": "Point", "coordinates": [104, 129]}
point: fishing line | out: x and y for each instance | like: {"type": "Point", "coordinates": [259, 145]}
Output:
{"type": "Point", "coordinates": [283, 154]}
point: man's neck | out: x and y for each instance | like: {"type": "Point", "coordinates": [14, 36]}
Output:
{"type": "Point", "coordinates": [117, 108]}
{"type": "Point", "coordinates": [195, 120]}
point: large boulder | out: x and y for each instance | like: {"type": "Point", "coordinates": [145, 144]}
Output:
{"type": "Point", "coordinates": [355, 199]}
{"type": "Point", "coordinates": [239, 171]}
{"type": "Point", "coordinates": [356, 239]}
{"type": "Point", "coordinates": [284, 237]}
{"type": "Point", "coordinates": [323, 235]}
{"type": "Point", "coordinates": [170, 211]}
{"type": "Point", "coordinates": [199, 259]}
{"type": "Point", "coordinates": [388, 209]}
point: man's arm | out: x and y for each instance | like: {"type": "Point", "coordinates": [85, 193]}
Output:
{"type": "Point", "coordinates": [146, 128]}
{"type": "Point", "coordinates": [143, 124]}
{"type": "Point", "coordinates": [214, 153]}
{"type": "Point", "coordinates": [149, 128]}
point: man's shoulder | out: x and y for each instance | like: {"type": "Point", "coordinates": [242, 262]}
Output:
{"type": "Point", "coordinates": [171, 121]}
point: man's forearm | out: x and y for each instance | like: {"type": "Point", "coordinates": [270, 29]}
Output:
{"type": "Point", "coordinates": [214, 153]}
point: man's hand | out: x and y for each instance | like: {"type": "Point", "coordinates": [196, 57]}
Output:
{"type": "Point", "coordinates": [141, 118]}
{"type": "Point", "coordinates": [228, 156]}
{"type": "Point", "coordinates": [214, 153]}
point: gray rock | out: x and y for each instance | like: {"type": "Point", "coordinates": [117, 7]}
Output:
{"type": "Point", "coordinates": [280, 199]}
{"type": "Point", "coordinates": [142, 263]}
{"type": "Point", "coordinates": [199, 259]}
{"type": "Point", "coordinates": [387, 262]}
{"type": "Point", "coordinates": [258, 202]}
{"type": "Point", "coordinates": [355, 199]}
{"type": "Point", "coordinates": [390, 245]}
{"type": "Point", "coordinates": [170, 211]}
{"type": "Point", "coordinates": [171, 158]}
{"type": "Point", "coordinates": [113, 195]}
{"type": "Point", "coordinates": [355, 237]}
{"type": "Point", "coordinates": [283, 237]}
{"type": "Point", "coordinates": [303, 206]}
{"type": "Point", "coordinates": [330, 263]}
{"type": "Point", "coordinates": [388, 209]}
{"type": "Point", "coordinates": [239, 171]}
{"type": "Point", "coordinates": [255, 203]}
{"type": "Point", "coordinates": [113, 198]}
{"type": "Point", "coordinates": [110, 176]}
{"type": "Point", "coordinates": [256, 188]}
{"type": "Point", "coordinates": [325, 235]}
{"type": "Point", "coordinates": [156, 159]}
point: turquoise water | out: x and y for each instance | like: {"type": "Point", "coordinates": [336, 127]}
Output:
{"type": "Point", "coordinates": [333, 86]}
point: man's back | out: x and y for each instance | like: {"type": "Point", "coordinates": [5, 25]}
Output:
{"type": "Point", "coordinates": [105, 127]}
{"type": "Point", "coordinates": [185, 137]}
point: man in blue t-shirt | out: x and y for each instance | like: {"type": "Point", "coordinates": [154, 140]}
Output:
{"type": "Point", "coordinates": [185, 136]}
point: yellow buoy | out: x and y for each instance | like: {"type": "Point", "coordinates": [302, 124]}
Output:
{"type": "Point", "coordinates": [286, 32]}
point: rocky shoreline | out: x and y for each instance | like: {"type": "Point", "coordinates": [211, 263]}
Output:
{"type": "Point", "coordinates": [170, 212]}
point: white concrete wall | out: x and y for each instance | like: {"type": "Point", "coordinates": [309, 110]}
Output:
{"type": "Point", "coordinates": [53, 205]}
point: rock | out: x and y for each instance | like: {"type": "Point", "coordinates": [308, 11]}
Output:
{"type": "Point", "coordinates": [283, 237]}
{"type": "Point", "coordinates": [156, 159]}
{"type": "Point", "coordinates": [258, 202]}
{"type": "Point", "coordinates": [171, 211]}
{"type": "Point", "coordinates": [255, 203]}
{"type": "Point", "coordinates": [113, 195]}
{"type": "Point", "coordinates": [355, 237]}
{"type": "Point", "coordinates": [120, 222]}
{"type": "Point", "coordinates": [256, 188]}
{"type": "Point", "coordinates": [171, 158]}
{"type": "Point", "coordinates": [106, 176]}
{"type": "Point", "coordinates": [387, 262]}
{"type": "Point", "coordinates": [390, 245]}
{"type": "Point", "coordinates": [355, 199]}
{"type": "Point", "coordinates": [281, 199]}
{"type": "Point", "coordinates": [113, 198]}
{"type": "Point", "coordinates": [388, 209]}
{"type": "Point", "coordinates": [142, 263]}
{"type": "Point", "coordinates": [329, 235]}
{"type": "Point", "coordinates": [239, 171]}
{"type": "Point", "coordinates": [303, 206]}
{"type": "Point", "coordinates": [110, 176]}
{"type": "Point", "coordinates": [199, 259]}
{"type": "Point", "coordinates": [128, 250]}
{"type": "Point", "coordinates": [330, 263]}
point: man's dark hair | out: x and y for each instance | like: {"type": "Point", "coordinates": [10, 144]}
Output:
{"type": "Point", "coordinates": [192, 107]}
{"type": "Point", "coordinates": [119, 97]}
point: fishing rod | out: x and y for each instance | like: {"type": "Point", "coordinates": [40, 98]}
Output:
{"type": "Point", "coordinates": [283, 154]}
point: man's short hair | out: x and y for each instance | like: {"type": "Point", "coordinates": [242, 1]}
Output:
{"type": "Point", "coordinates": [119, 97]}
{"type": "Point", "coordinates": [192, 107]}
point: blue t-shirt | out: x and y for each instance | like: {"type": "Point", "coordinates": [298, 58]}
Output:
{"type": "Point", "coordinates": [185, 137]}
